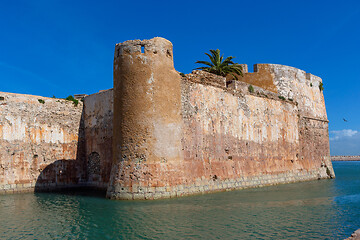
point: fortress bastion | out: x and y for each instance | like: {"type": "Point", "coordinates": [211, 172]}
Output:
{"type": "Point", "coordinates": [160, 135]}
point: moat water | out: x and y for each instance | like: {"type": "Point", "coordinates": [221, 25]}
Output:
{"type": "Point", "coordinates": [326, 209]}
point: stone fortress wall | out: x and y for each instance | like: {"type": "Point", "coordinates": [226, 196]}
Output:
{"type": "Point", "coordinates": [39, 143]}
{"type": "Point", "coordinates": [176, 136]}
{"type": "Point", "coordinates": [55, 144]}
{"type": "Point", "coordinates": [159, 135]}
{"type": "Point", "coordinates": [98, 125]}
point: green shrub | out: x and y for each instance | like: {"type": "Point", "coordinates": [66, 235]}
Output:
{"type": "Point", "coordinates": [71, 98]}
{"type": "Point", "coordinates": [182, 74]}
{"type": "Point", "coordinates": [2, 98]}
{"type": "Point", "coordinates": [290, 99]}
{"type": "Point", "coordinates": [251, 89]}
{"type": "Point", "coordinates": [41, 101]}
{"type": "Point", "coordinates": [281, 97]}
{"type": "Point", "coordinates": [310, 84]}
{"type": "Point", "coordinates": [321, 86]}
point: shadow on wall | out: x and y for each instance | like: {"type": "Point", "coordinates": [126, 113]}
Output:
{"type": "Point", "coordinates": [66, 175]}
{"type": "Point", "coordinates": [60, 174]}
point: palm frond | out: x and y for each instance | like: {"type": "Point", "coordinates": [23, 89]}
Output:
{"type": "Point", "coordinates": [220, 66]}
{"type": "Point", "coordinates": [204, 62]}
{"type": "Point", "coordinates": [212, 57]}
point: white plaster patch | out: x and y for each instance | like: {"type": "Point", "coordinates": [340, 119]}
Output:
{"type": "Point", "coordinates": [151, 79]}
{"type": "Point", "coordinates": [168, 139]}
{"type": "Point", "coordinates": [143, 58]}
{"type": "Point", "coordinates": [15, 129]}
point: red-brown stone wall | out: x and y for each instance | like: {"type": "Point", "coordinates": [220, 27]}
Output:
{"type": "Point", "coordinates": [41, 144]}
{"type": "Point", "coordinates": [230, 138]}
{"type": "Point", "coordinates": [98, 125]}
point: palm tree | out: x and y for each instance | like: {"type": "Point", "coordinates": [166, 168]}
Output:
{"type": "Point", "coordinates": [220, 67]}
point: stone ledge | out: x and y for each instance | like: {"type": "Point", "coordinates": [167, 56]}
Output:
{"type": "Point", "coordinates": [214, 186]}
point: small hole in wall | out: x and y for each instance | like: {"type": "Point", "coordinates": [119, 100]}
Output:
{"type": "Point", "coordinates": [142, 49]}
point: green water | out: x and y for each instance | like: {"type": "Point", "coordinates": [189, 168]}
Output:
{"type": "Point", "coordinates": [326, 209]}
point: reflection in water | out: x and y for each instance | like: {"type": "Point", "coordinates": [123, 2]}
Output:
{"type": "Point", "coordinates": [326, 209]}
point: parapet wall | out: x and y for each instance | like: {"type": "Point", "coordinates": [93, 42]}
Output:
{"type": "Point", "coordinates": [230, 138]}
{"type": "Point", "coordinates": [290, 83]}
{"type": "Point", "coordinates": [39, 143]}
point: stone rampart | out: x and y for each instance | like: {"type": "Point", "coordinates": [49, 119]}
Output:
{"type": "Point", "coordinates": [230, 138]}
{"type": "Point", "coordinates": [39, 143]}
{"type": "Point", "coordinates": [291, 83]}
{"type": "Point", "coordinates": [98, 123]}
{"type": "Point", "coordinates": [159, 135]}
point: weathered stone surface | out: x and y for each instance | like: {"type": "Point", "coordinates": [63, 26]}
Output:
{"type": "Point", "coordinates": [147, 113]}
{"type": "Point", "coordinates": [159, 135]}
{"type": "Point", "coordinates": [98, 117]}
{"type": "Point", "coordinates": [39, 142]}
{"type": "Point", "coordinates": [355, 235]}
{"type": "Point", "coordinates": [230, 138]}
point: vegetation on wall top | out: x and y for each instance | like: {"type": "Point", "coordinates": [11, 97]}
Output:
{"type": "Point", "coordinates": [221, 67]}
{"type": "Point", "coordinates": [71, 98]}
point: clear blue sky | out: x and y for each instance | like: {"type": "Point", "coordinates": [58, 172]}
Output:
{"type": "Point", "coordinates": [65, 47]}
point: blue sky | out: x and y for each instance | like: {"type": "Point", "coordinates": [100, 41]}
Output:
{"type": "Point", "coordinates": [66, 47]}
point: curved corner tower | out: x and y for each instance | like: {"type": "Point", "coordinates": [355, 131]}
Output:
{"type": "Point", "coordinates": [147, 116]}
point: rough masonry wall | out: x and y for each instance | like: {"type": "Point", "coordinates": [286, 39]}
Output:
{"type": "Point", "coordinates": [290, 83]}
{"type": "Point", "coordinates": [303, 88]}
{"type": "Point", "coordinates": [237, 134]}
{"type": "Point", "coordinates": [147, 115]}
{"type": "Point", "coordinates": [157, 135]}
{"type": "Point", "coordinates": [98, 122]}
{"type": "Point", "coordinates": [39, 143]}
{"type": "Point", "coordinates": [230, 138]}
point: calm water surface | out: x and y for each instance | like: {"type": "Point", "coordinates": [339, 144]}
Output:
{"type": "Point", "coordinates": [326, 209]}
